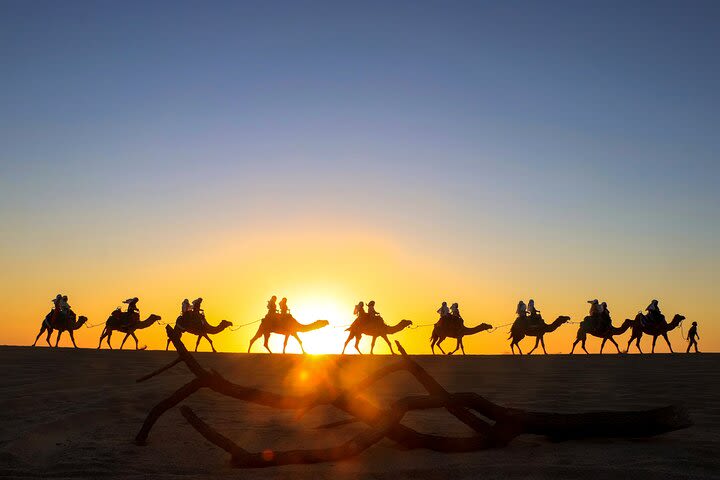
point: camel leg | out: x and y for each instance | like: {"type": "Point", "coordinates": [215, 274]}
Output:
{"type": "Point", "coordinates": [433, 340]}
{"type": "Point", "coordinates": [537, 342]}
{"type": "Point", "coordinates": [107, 339]}
{"type": "Point", "coordinates": [57, 340]}
{"type": "Point", "coordinates": [668, 342]}
{"type": "Point", "coordinates": [43, 327]}
{"type": "Point", "coordinates": [207, 337]}
{"type": "Point", "coordinates": [127, 335]}
{"type": "Point", "coordinates": [462, 345]}
{"type": "Point", "coordinates": [653, 344]}
{"type": "Point", "coordinates": [372, 345]}
{"type": "Point", "coordinates": [295, 335]}
{"type": "Point", "coordinates": [285, 342]}
{"type": "Point", "coordinates": [137, 344]}
{"type": "Point", "coordinates": [357, 344]}
{"type": "Point", "coordinates": [512, 347]}
{"type": "Point", "coordinates": [387, 340]}
{"type": "Point", "coordinates": [602, 345]}
{"type": "Point", "coordinates": [457, 347]}
{"type": "Point", "coordinates": [198, 342]}
{"type": "Point", "coordinates": [615, 343]}
{"type": "Point", "coordinates": [440, 347]}
{"type": "Point", "coordinates": [542, 343]}
{"type": "Point", "coordinates": [257, 335]}
{"type": "Point", "coordinates": [265, 343]}
{"type": "Point", "coordinates": [102, 335]}
{"type": "Point", "coordinates": [72, 337]}
{"type": "Point", "coordinates": [47, 339]}
{"type": "Point", "coordinates": [346, 342]}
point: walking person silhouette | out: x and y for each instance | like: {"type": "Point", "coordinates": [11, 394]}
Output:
{"type": "Point", "coordinates": [693, 337]}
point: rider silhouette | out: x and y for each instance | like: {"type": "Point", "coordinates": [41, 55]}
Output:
{"type": "Point", "coordinates": [359, 309]}
{"type": "Point", "coordinates": [185, 308]}
{"type": "Point", "coordinates": [284, 310]}
{"type": "Point", "coordinates": [654, 313]}
{"type": "Point", "coordinates": [272, 309]}
{"type": "Point", "coordinates": [533, 313]}
{"type": "Point", "coordinates": [455, 313]}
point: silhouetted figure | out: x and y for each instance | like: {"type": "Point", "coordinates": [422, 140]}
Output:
{"type": "Point", "coordinates": [132, 310]}
{"type": "Point", "coordinates": [520, 329]}
{"type": "Point", "coordinates": [455, 319]}
{"type": "Point", "coordinates": [443, 311]}
{"type": "Point", "coordinates": [654, 314]}
{"type": "Point", "coordinates": [118, 321]}
{"type": "Point", "coordinates": [271, 308]}
{"type": "Point", "coordinates": [693, 337]}
{"type": "Point", "coordinates": [185, 308]}
{"type": "Point", "coordinates": [534, 318]}
{"type": "Point", "coordinates": [284, 310]}
{"type": "Point", "coordinates": [605, 321]}
{"type": "Point", "coordinates": [359, 310]}
{"type": "Point", "coordinates": [371, 309]}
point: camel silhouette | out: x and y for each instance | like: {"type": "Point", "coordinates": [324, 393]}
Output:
{"type": "Point", "coordinates": [519, 330]}
{"type": "Point", "coordinates": [450, 327]}
{"type": "Point", "coordinates": [196, 325]}
{"type": "Point", "coordinates": [122, 323]}
{"type": "Point", "coordinates": [587, 327]}
{"type": "Point", "coordinates": [61, 323]}
{"type": "Point", "coordinates": [284, 325]}
{"type": "Point", "coordinates": [374, 327]}
{"type": "Point", "coordinates": [653, 329]}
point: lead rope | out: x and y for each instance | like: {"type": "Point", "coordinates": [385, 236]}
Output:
{"type": "Point", "coordinates": [245, 325]}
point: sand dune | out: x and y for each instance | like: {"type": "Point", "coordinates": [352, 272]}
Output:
{"type": "Point", "coordinates": [73, 413]}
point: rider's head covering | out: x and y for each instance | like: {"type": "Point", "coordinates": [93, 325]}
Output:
{"type": "Point", "coordinates": [284, 300]}
{"type": "Point", "coordinates": [531, 302]}
{"type": "Point", "coordinates": [273, 298]}
{"type": "Point", "coordinates": [64, 297]}
{"type": "Point", "coordinates": [604, 304]}
{"type": "Point", "coordinates": [654, 302]}
{"type": "Point", "coordinates": [444, 304]}
{"type": "Point", "coordinates": [695, 324]}
{"type": "Point", "coordinates": [454, 305]}
{"type": "Point", "coordinates": [199, 299]}
{"type": "Point", "coordinates": [371, 303]}
{"type": "Point", "coordinates": [361, 303]}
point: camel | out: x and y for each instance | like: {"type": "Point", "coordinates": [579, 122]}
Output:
{"type": "Point", "coordinates": [121, 324]}
{"type": "Point", "coordinates": [197, 325]}
{"type": "Point", "coordinates": [453, 329]}
{"type": "Point", "coordinates": [284, 325]}
{"type": "Point", "coordinates": [655, 330]}
{"type": "Point", "coordinates": [61, 323]}
{"type": "Point", "coordinates": [587, 328]}
{"type": "Point", "coordinates": [518, 331]}
{"type": "Point", "coordinates": [374, 327]}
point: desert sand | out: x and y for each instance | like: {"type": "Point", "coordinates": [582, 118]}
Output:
{"type": "Point", "coordinates": [68, 413]}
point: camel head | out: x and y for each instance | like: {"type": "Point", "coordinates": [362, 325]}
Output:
{"type": "Point", "coordinates": [562, 319]}
{"type": "Point", "coordinates": [403, 324]}
{"type": "Point", "coordinates": [486, 326]}
{"type": "Point", "coordinates": [154, 318]}
{"type": "Point", "coordinates": [677, 319]}
{"type": "Point", "coordinates": [321, 323]}
{"type": "Point", "coordinates": [82, 319]}
{"type": "Point", "coordinates": [224, 324]}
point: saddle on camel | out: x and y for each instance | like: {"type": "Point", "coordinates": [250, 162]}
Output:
{"type": "Point", "coordinates": [127, 318]}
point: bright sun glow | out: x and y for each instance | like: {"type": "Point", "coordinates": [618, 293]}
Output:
{"type": "Point", "coordinates": [325, 340]}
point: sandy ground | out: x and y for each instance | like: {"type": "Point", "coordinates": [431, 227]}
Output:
{"type": "Point", "coordinates": [73, 413]}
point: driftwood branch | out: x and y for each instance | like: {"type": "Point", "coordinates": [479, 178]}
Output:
{"type": "Point", "coordinates": [502, 424]}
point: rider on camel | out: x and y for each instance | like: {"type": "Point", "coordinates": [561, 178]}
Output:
{"type": "Point", "coordinates": [284, 310]}
{"type": "Point", "coordinates": [654, 314]}
{"type": "Point", "coordinates": [132, 310]}
{"type": "Point", "coordinates": [359, 309]}
{"type": "Point", "coordinates": [605, 320]}
{"type": "Point", "coordinates": [533, 314]}
{"type": "Point", "coordinates": [521, 312]}
{"type": "Point", "coordinates": [444, 313]}
{"type": "Point", "coordinates": [455, 314]}
{"type": "Point", "coordinates": [185, 308]}
{"type": "Point", "coordinates": [272, 309]}
{"type": "Point", "coordinates": [198, 311]}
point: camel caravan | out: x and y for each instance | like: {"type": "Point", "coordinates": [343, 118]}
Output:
{"type": "Point", "coordinates": [450, 324]}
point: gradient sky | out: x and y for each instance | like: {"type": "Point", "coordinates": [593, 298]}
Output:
{"type": "Point", "coordinates": [407, 152]}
